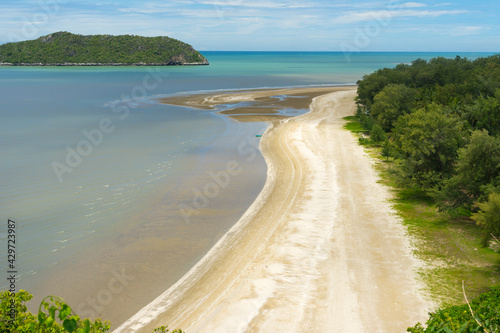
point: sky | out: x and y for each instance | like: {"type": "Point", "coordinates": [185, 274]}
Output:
{"type": "Point", "coordinates": [265, 25]}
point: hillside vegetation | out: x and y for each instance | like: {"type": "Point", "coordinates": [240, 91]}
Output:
{"type": "Point", "coordinates": [64, 48]}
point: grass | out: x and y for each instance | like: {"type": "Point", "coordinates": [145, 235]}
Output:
{"type": "Point", "coordinates": [449, 246]}
{"type": "Point", "coordinates": [353, 125]}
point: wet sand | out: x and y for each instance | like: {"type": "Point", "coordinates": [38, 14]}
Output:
{"type": "Point", "coordinates": [301, 97]}
{"type": "Point", "coordinates": [319, 250]}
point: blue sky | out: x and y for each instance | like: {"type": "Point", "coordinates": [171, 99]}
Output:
{"type": "Point", "coordinates": [265, 25]}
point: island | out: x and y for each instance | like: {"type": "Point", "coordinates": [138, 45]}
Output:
{"type": "Point", "coordinates": [68, 49]}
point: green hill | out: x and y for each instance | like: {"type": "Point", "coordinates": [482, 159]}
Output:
{"type": "Point", "coordinates": [67, 49]}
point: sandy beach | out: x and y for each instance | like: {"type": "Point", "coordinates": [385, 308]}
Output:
{"type": "Point", "coordinates": [320, 250]}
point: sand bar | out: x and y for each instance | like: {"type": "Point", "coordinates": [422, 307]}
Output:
{"type": "Point", "coordinates": [320, 250]}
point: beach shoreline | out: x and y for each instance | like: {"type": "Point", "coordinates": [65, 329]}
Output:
{"type": "Point", "coordinates": [178, 223]}
{"type": "Point", "coordinates": [304, 256]}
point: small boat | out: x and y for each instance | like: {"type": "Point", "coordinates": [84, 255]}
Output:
{"type": "Point", "coordinates": [258, 136]}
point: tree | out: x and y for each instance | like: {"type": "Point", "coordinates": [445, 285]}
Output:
{"type": "Point", "coordinates": [364, 117]}
{"type": "Point", "coordinates": [65, 47]}
{"type": "Point", "coordinates": [485, 114]}
{"type": "Point", "coordinates": [428, 141]}
{"type": "Point", "coordinates": [370, 86]}
{"type": "Point", "coordinates": [386, 149]}
{"type": "Point", "coordinates": [477, 172]}
{"type": "Point", "coordinates": [392, 102]}
{"type": "Point", "coordinates": [489, 217]}
{"type": "Point", "coordinates": [377, 134]}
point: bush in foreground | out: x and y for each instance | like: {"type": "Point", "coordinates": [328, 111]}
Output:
{"type": "Point", "coordinates": [486, 309]}
{"type": "Point", "coordinates": [489, 218]}
{"type": "Point", "coordinates": [54, 316]}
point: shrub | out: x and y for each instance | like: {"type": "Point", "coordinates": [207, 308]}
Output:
{"type": "Point", "coordinates": [54, 316]}
{"type": "Point", "coordinates": [486, 310]}
{"type": "Point", "coordinates": [489, 217]}
{"type": "Point", "coordinates": [377, 134]}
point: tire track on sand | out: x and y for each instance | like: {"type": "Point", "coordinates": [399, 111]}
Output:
{"type": "Point", "coordinates": [318, 251]}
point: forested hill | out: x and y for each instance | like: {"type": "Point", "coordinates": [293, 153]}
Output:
{"type": "Point", "coordinates": [64, 48]}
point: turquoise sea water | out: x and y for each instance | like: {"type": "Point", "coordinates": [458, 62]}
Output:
{"type": "Point", "coordinates": [90, 160]}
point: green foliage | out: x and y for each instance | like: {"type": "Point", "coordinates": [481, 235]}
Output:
{"type": "Point", "coordinates": [469, 88]}
{"type": "Point", "coordinates": [393, 101]}
{"type": "Point", "coordinates": [370, 86]}
{"type": "Point", "coordinates": [367, 122]}
{"type": "Point", "coordinates": [477, 172]}
{"type": "Point", "coordinates": [14, 315]}
{"type": "Point", "coordinates": [439, 80]}
{"type": "Point", "coordinates": [386, 149]}
{"type": "Point", "coordinates": [428, 141]}
{"type": "Point", "coordinates": [377, 134]}
{"type": "Point", "coordinates": [443, 119]}
{"type": "Point", "coordinates": [164, 329]}
{"type": "Point", "coordinates": [450, 245]}
{"type": "Point", "coordinates": [489, 217]}
{"type": "Point", "coordinates": [353, 125]}
{"type": "Point", "coordinates": [484, 113]}
{"type": "Point", "coordinates": [54, 316]}
{"type": "Point", "coordinates": [486, 310]}
{"type": "Point", "coordinates": [364, 118]}
{"type": "Point", "coordinates": [363, 123]}
{"type": "Point", "coordinates": [64, 47]}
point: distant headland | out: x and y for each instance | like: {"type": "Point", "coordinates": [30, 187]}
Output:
{"type": "Point", "coordinates": [67, 49]}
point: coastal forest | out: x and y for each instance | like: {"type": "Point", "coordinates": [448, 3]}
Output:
{"type": "Point", "coordinates": [438, 123]}
{"type": "Point", "coordinates": [441, 120]}
{"type": "Point", "coordinates": [64, 48]}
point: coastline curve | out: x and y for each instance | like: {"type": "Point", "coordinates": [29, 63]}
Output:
{"type": "Point", "coordinates": [319, 248]}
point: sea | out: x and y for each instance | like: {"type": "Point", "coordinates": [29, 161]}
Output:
{"type": "Point", "coordinates": [110, 196]}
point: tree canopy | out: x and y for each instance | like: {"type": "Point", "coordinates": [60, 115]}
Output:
{"type": "Point", "coordinates": [66, 48]}
{"type": "Point", "coordinates": [442, 121]}
{"type": "Point", "coordinates": [428, 141]}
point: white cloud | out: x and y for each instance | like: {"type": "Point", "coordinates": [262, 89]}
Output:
{"type": "Point", "coordinates": [354, 17]}
{"type": "Point", "coordinates": [466, 31]}
{"type": "Point", "coordinates": [447, 30]}
{"type": "Point", "coordinates": [412, 5]}
{"type": "Point", "coordinates": [203, 6]}
{"type": "Point", "coordinates": [252, 4]}
{"type": "Point", "coordinates": [263, 24]}
{"type": "Point", "coordinates": [429, 13]}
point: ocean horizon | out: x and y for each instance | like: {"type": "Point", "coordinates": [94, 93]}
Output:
{"type": "Point", "coordinates": [104, 182]}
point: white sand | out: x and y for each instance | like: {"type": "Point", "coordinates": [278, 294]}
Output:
{"type": "Point", "coordinates": [320, 250]}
